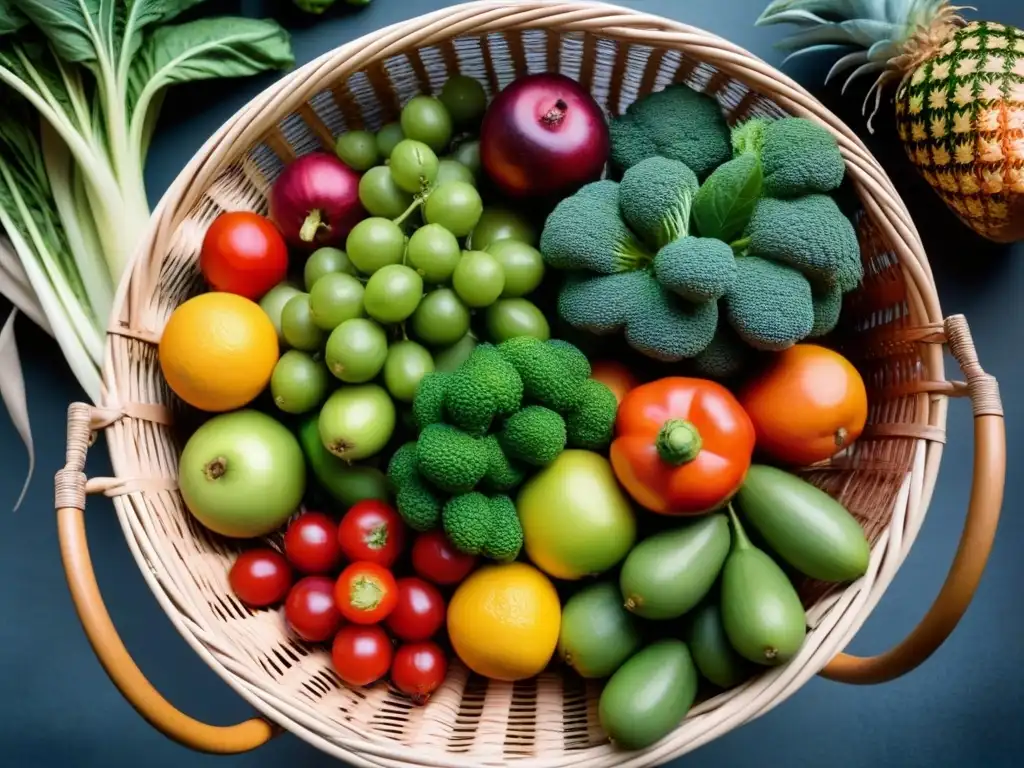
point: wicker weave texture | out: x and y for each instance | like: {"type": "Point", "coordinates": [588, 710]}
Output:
{"type": "Point", "coordinates": [891, 330]}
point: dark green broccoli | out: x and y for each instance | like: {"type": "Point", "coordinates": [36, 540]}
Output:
{"type": "Point", "coordinates": [798, 156]}
{"type": "Point", "coordinates": [590, 424]}
{"type": "Point", "coordinates": [828, 305]}
{"type": "Point", "coordinates": [811, 234]}
{"type": "Point", "coordinates": [655, 197]}
{"type": "Point", "coordinates": [769, 305]}
{"type": "Point", "coordinates": [428, 404]}
{"type": "Point", "coordinates": [726, 356]}
{"type": "Point", "coordinates": [600, 304]}
{"type": "Point", "coordinates": [676, 122]}
{"type": "Point", "coordinates": [450, 459]}
{"type": "Point", "coordinates": [534, 435]}
{"type": "Point", "coordinates": [502, 474]}
{"type": "Point", "coordinates": [667, 328]}
{"type": "Point", "coordinates": [402, 466]}
{"type": "Point", "coordinates": [477, 525]}
{"type": "Point", "coordinates": [572, 358]}
{"type": "Point", "coordinates": [584, 231]}
{"type": "Point", "coordinates": [697, 268]}
{"type": "Point", "coordinates": [418, 504]}
{"type": "Point", "coordinates": [546, 377]}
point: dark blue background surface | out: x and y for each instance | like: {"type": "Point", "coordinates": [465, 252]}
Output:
{"type": "Point", "coordinates": [963, 708]}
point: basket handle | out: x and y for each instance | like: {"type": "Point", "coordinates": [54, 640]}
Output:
{"type": "Point", "coordinates": [70, 486]}
{"type": "Point", "coordinates": [975, 541]}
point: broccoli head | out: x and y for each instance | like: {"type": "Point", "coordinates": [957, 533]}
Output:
{"type": "Point", "coordinates": [418, 504]}
{"type": "Point", "coordinates": [810, 234]}
{"type": "Point", "coordinates": [590, 424]}
{"type": "Point", "coordinates": [534, 435]}
{"type": "Point", "coordinates": [487, 364]}
{"type": "Point", "coordinates": [477, 525]}
{"type": "Point", "coordinates": [572, 358]}
{"type": "Point", "coordinates": [600, 304]}
{"type": "Point", "coordinates": [697, 268]}
{"type": "Point", "coordinates": [505, 537]}
{"type": "Point", "coordinates": [468, 402]}
{"type": "Point", "coordinates": [502, 474]}
{"type": "Point", "coordinates": [798, 156]}
{"type": "Point", "coordinates": [667, 328]}
{"type": "Point", "coordinates": [585, 231]}
{"type": "Point", "coordinates": [828, 305]}
{"type": "Point", "coordinates": [450, 459]}
{"type": "Point", "coordinates": [402, 466]}
{"type": "Point", "coordinates": [769, 305]}
{"type": "Point", "coordinates": [547, 379]}
{"type": "Point", "coordinates": [676, 122]}
{"type": "Point", "coordinates": [655, 196]}
{"type": "Point", "coordinates": [428, 403]}
{"type": "Point", "coordinates": [726, 356]}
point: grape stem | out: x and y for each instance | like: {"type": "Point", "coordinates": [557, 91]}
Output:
{"type": "Point", "coordinates": [416, 203]}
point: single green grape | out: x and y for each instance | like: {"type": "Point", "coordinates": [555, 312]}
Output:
{"type": "Point", "coordinates": [392, 293]}
{"type": "Point", "coordinates": [297, 326]}
{"type": "Point", "coordinates": [433, 252]}
{"type": "Point", "coordinates": [357, 150]}
{"type": "Point", "coordinates": [426, 119]}
{"type": "Point", "coordinates": [273, 302]}
{"type": "Point", "coordinates": [356, 350]}
{"type": "Point", "coordinates": [478, 279]}
{"type": "Point", "coordinates": [449, 358]}
{"type": "Point", "coordinates": [322, 262]}
{"type": "Point", "coordinates": [413, 165]}
{"type": "Point", "coordinates": [407, 363]}
{"type": "Point", "coordinates": [299, 382]}
{"type": "Point", "coordinates": [468, 153]}
{"type": "Point", "coordinates": [373, 243]}
{"type": "Point", "coordinates": [498, 223]}
{"type": "Point", "coordinates": [522, 264]}
{"type": "Point", "coordinates": [456, 206]}
{"type": "Point", "coordinates": [387, 137]}
{"type": "Point", "coordinates": [335, 298]}
{"type": "Point", "coordinates": [380, 195]}
{"type": "Point", "coordinates": [453, 170]}
{"type": "Point", "coordinates": [441, 319]}
{"type": "Point", "coordinates": [465, 99]}
{"type": "Point", "coordinates": [507, 318]}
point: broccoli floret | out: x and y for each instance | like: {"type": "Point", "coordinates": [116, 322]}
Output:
{"type": "Point", "coordinates": [428, 404]}
{"type": "Point", "coordinates": [677, 122]}
{"type": "Point", "coordinates": [770, 304]}
{"type": "Point", "coordinates": [449, 458]}
{"type": "Point", "coordinates": [667, 328]}
{"type": "Point", "coordinates": [477, 525]}
{"type": "Point", "coordinates": [811, 234]}
{"type": "Point", "coordinates": [572, 358]}
{"type": "Point", "coordinates": [418, 504]}
{"type": "Point", "coordinates": [655, 196]}
{"type": "Point", "coordinates": [584, 231]}
{"type": "Point", "coordinates": [828, 304]}
{"type": "Point", "coordinates": [505, 537]}
{"type": "Point", "coordinates": [600, 304]}
{"type": "Point", "coordinates": [505, 385]}
{"type": "Point", "coordinates": [798, 156]}
{"type": "Point", "coordinates": [469, 403]}
{"type": "Point", "coordinates": [697, 268]}
{"type": "Point", "coordinates": [535, 435]}
{"type": "Point", "coordinates": [726, 356]}
{"type": "Point", "coordinates": [502, 474]}
{"type": "Point", "coordinates": [402, 467]}
{"type": "Point", "coordinates": [590, 424]}
{"type": "Point", "coordinates": [547, 379]}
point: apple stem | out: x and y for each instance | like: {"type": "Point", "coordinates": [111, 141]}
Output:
{"type": "Point", "coordinates": [216, 468]}
{"type": "Point", "coordinates": [556, 114]}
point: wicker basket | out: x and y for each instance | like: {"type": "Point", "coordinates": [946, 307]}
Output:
{"type": "Point", "coordinates": [893, 331]}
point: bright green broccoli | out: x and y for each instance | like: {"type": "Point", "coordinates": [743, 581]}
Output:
{"type": "Point", "coordinates": [572, 358]}
{"type": "Point", "coordinates": [590, 424]}
{"type": "Point", "coordinates": [487, 364]}
{"type": "Point", "coordinates": [726, 356]}
{"type": "Point", "coordinates": [655, 196]}
{"type": "Point", "coordinates": [546, 377]}
{"type": "Point", "coordinates": [676, 122]}
{"type": "Point", "coordinates": [600, 304]}
{"type": "Point", "coordinates": [534, 435]}
{"type": "Point", "coordinates": [798, 156]}
{"type": "Point", "coordinates": [450, 459]}
{"type": "Point", "coordinates": [769, 305]}
{"type": "Point", "coordinates": [502, 474]}
{"type": "Point", "coordinates": [828, 305]}
{"type": "Point", "coordinates": [483, 387]}
{"type": "Point", "coordinates": [402, 466]}
{"type": "Point", "coordinates": [697, 268]}
{"type": "Point", "coordinates": [418, 504]}
{"type": "Point", "coordinates": [428, 404]}
{"type": "Point", "coordinates": [586, 231]}
{"type": "Point", "coordinates": [477, 525]}
{"type": "Point", "coordinates": [808, 233]}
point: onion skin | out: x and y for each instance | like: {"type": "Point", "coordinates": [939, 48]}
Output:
{"type": "Point", "coordinates": [543, 136]}
{"type": "Point", "coordinates": [315, 201]}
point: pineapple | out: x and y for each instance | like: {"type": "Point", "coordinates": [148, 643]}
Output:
{"type": "Point", "coordinates": [959, 94]}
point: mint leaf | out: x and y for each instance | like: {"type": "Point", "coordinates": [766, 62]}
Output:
{"type": "Point", "coordinates": [725, 202]}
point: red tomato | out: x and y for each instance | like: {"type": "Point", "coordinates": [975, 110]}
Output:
{"type": "Point", "coordinates": [372, 531]}
{"type": "Point", "coordinates": [260, 577]}
{"type": "Point", "coordinates": [311, 543]}
{"type": "Point", "coordinates": [365, 593]}
{"type": "Point", "coordinates": [310, 610]}
{"type": "Point", "coordinates": [435, 559]}
{"type": "Point", "coordinates": [418, 670]}
{"type": "Point", "coordinates": [243, 253]}
{"type": "Point", "coordinates": [361, 655]}
{"type": "Point", "coordinates": [419, 612]}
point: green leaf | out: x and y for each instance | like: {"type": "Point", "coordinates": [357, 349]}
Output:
{"type": "Point", "coordinates": [11, 19]}
{"type": "Point", "coordinates": [726, 200]}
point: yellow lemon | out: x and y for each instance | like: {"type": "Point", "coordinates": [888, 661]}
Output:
{"type": "Point", "coordinates": [218, 351]}
{"type": "Point", "coordinates": [503, 621]}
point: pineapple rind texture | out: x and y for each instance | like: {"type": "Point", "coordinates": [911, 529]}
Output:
{"type": "Point", "coordinates": [960, 116]}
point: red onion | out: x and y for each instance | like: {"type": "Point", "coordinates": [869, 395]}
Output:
{"type": "Point", "coordinates": [315, 201]}
{"type": "Point", "coordinates": [543, 135]}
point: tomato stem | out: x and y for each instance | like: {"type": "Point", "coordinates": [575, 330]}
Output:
{"type": "Point", "coordinates": [377, 538]}
{"type": "Point", "coordinates": [365, 594]}
{"type": "Point", "coordinates": [310, 225]}
{"type": "Point", "coordinates": [678, 442]}
{"type": "Point", "coordinates": [739, 539]}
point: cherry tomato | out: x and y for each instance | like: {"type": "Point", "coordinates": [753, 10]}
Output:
{"type": "Point", "coordinates": [614, 375]}
{"type": "Point", "coordinates": [243, 253]}
{"type": "Point", "coordinates": [435, 559]}
{"type": "Point", "coordinates": [365, 593]}
{"type": "Point", "coordinates": [418, 670]}
{"type": "Point", "coordinates": [260, 577]}
{"type": "Point", "coordinates": [310, 610]}
{"type": "Point", "coordinates": [372, 531]}
{"type": "Point", "coordinates": [361, 655]}
{"type": "Point", "coordinates": [419, 612]}
{"type": "Point", "coordinates": [311, 543]}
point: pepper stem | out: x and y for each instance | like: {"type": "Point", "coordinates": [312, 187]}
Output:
{"type": "Point", "coordinates": [310, 225]}
{"type": "Point", "coordinates": [678, 442]}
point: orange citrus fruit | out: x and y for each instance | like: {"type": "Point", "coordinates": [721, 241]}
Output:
{"type": "Point", "coordinates": [218, 351]}
{"type": "Point", "coordinates": [503, 621]}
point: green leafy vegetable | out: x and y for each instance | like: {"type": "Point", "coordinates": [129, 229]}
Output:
{"type": "Point", "coordinates": [725, 201]}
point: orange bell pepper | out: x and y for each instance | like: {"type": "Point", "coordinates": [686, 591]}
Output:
{"type": "Point", "coordinates": [682, 445]}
